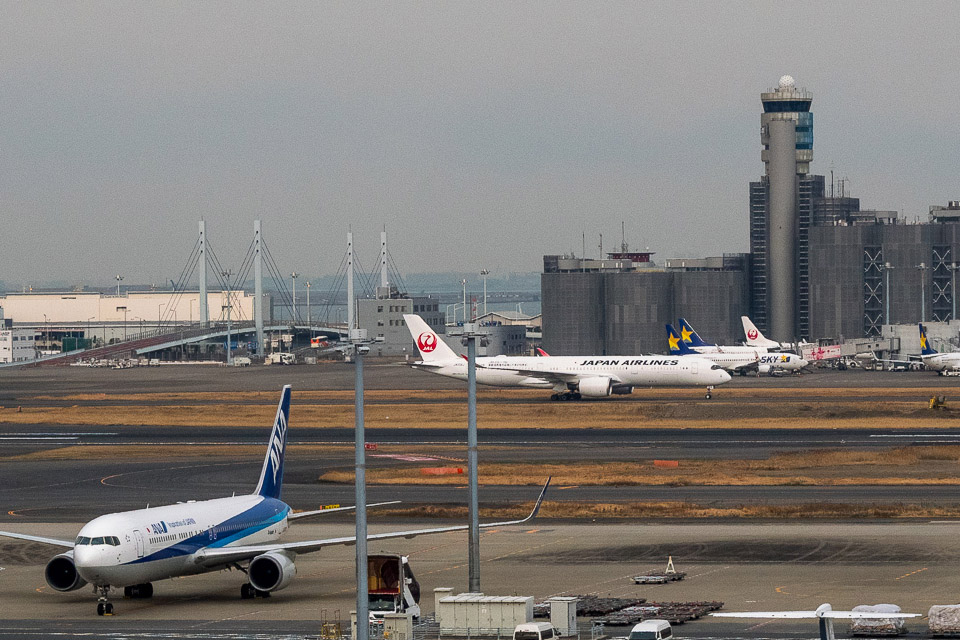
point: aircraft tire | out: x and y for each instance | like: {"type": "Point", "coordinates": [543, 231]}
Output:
{"type": "Point", "coordinates": [709, 395]}
{"type": "Point", "coordinates": [100, 609]}
{"type": "Point", "coordinates": [555, 397]}
{"type": "Point", "coordinates": [247, 592]}
{"type": "Point", "coordinates": [108, 609]}
{"type": "Point", "coordinates": [575, 396]}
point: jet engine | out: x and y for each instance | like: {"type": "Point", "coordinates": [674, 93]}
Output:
{"type": "Point", "coordinates": [271, 571]}
{"type": "Point", "coordinates": [61, 573]}
{"type": "Point", "coordinates": [764, 368]}
{"type": "Point", "coordinates": [622, 389]}
{"type": "Point", "coordinates": [596, 387]}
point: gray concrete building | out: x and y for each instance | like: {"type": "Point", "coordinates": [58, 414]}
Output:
{"type": "Point", "coordinates": [864, 276]}
{"type": "Point", "coordinates": [382, 317]}
{"type": "Point", "coordinates": [624, 312]}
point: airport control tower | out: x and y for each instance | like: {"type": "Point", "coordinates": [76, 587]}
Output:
{"type": "Point", "coordinates": [781, 206]}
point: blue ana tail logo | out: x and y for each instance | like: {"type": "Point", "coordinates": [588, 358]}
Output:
{"type": "Point", "coordinates": [925, 348]}
{"type": "Point", "coordinates": [677, 346]}
{"type": "Point", "coordinates": [271, 477]}
{"type": "Point", "coordinates": [690, 337]}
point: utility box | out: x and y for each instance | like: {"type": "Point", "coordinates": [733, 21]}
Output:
{"type": "Point", "coordinates": [474, 614]}
{"type": "Point", "coordinates": [439, 594]}
{"type": "Point", "coordinates": [398, 626]}
{"type": "Point", "coordinates": [563, 615]}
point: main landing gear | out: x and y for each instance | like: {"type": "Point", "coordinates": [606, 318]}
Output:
{"type": "Point", "coordinates": [247, 591]}
{"type": "Point", "coordinates": [566, 395]}
{"type": "Point", "coordinates": [104, 606]}
{"type": "Point", "coordinates": [709, 392]}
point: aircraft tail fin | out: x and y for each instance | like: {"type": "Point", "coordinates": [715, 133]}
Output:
{"type": "Point", "coordinates": [431, 346]}
{"type": "Point", "coordinates": [271, 477]}
{"type": "Point", "coordinates": [691, 337]}
{"type": "Point", "coordinates": [754, 337]}
{"type": "Point", "coordinates": [677, 345]}
{"type": "Point", "coordinates": [925, 348]}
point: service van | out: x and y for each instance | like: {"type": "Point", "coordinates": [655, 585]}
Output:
{"type": "Point", "coordinates": [651, 630]}
{"type": "Point", "coordinates": [534, 631]}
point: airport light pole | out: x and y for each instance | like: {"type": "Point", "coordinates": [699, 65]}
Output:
{"type": "Point", "coordinates": [118, 278]}
{"type": "Point", "coordinates": [922, 267]}
{"type": "Point", "coordinates": [358, 337]}
{"type": "Point", "coordinates": [484, 273]}
{"type": "Point", "coordinates": [463, 283]}
{"type": "Point", "coordinates": [226, 278]}
{"type": "Point", "coordinates": [294, 276]}
{"type": "Point", "coordinates": [308, 305]}
{"type": "Point", "coordinates": [886, 292]}
{"type": "Point", "coordinates": [88, 329]}
{"type": "Point", "coordinates": [469, 339]}
{"type": "Point", "coordinates": [953, 287]}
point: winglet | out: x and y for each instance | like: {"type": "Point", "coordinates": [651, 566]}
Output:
{"type": "Point", "coordinates": [542, 353]}
{"type": "Point", "coordinates": [543, 493]}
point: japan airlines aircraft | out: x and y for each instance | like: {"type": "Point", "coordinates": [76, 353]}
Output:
{"type": "Point", "coordinates": [757, 339]}
{"type": "Point", "coordinates": [570, 377]}
{"type": "Point", "coordinates": [133, 549]}
{"type": "Point", "coordinates": [764, 361]}
{"type": "Point", "coordinates": [933, 359]}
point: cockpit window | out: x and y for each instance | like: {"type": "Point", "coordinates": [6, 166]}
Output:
{"type": "Point", "coordinates": [716, 366]}
{"type": "Point", "coordinates": [111, 540]}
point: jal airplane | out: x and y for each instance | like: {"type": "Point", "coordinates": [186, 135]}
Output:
{"type": "Point", "coordinates": [570, 377]}
{"type": "Point", "coordinates": [134, 549]}
{"type": "Point", "coordinates": [764, 361]}
{"type": "Point", "coordinates": [933, 359]}
{"type": "Point", "coordinates": [757, 339]}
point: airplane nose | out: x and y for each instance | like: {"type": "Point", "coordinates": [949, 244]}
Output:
{"type": "Point", "coordinates": [803, 363]}
{"type": "Point", "coordinates": [725, 377]}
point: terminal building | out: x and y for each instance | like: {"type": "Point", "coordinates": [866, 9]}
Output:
{"type": "Point", "coordinates": [619, 305]}
{"type": "Point", "coordinates": [382, 318]}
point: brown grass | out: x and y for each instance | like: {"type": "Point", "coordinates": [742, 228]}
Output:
{"type": "Point", "coordinates": [631, 510]}
{"type": "Point", "coordinates": [901, 466]}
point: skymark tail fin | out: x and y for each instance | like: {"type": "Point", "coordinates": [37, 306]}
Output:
{"type": "Point", "coordinates": [690, 336]}
{"type": "Point", "coordinates": [431, 347]}
{"type": "Point", "coordinates": [925, 348]}
{"type": "Point", "coordinates": [677, 345]}
{"type": "Point", "coordinates": [271, 477]}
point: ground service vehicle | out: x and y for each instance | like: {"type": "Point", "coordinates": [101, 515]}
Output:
{"type": "Point", "coordinates": [391, 586]}
{"type": "Point", "coordinates": [651, 630]}
{"type": "Point", "coordinates": [534, 631]}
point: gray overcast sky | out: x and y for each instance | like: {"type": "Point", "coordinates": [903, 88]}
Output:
{"type": "Point", "coordinates": [482, 134]}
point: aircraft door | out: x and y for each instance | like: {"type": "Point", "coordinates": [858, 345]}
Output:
{"type": "Point", "coordinates": [138, 539]}
{"type": "Point", "coordinates": [694, 367]}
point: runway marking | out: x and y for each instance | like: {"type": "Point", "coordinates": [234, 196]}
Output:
{"type": "Point", "coordinates": [912, 573]}
{"type": "Point", "coordinates": [104, 479]}
{"type": "Point", "coordinates": [533, 531]}
{"type": "Point", "coordinates": [572, 486]}
{"type": "Point", "coordinates": [34, 438]}
{"type": "Point", "coordinates": [761, 624]}
{"type": "Point", "coordinates": [782, 590]}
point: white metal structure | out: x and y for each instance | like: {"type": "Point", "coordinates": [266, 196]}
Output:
{"type": "Point", "coordinates": [18, 345]}
{"type": "Point", "coordinates": [570, 377]}
{"type": "Point", "coordinates": [824, 613]}
{"type": "Point", "coordinates": [133, 549]}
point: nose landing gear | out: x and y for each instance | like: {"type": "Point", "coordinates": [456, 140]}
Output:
{"type": "Point", "coordinates": [566, 395]}
{"type": "Point", "coordinates": [104, 606]}
{"type": "Point", "coordinates": [709, 392]}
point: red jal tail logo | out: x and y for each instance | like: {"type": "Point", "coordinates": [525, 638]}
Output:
{"type": "Point", "coordinates": [427, 342]}
{"type": "Point", "coordinates": [752, 334]}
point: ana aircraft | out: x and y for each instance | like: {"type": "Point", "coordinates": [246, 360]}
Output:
{"type": "Point", "coordinates": [763, 361]}
{"type": "Point", "coordinates": [133, 549]}
{"type": "Point", "coordinates": [933, 359]}
{"type": "Point", "coordinates": [570, 377]}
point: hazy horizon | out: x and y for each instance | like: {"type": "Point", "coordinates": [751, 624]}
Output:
{"type": "Point", "coordinates": [482, 135]}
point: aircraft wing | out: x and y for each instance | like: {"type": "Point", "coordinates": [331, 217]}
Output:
{"type": "Point", "coordinates": [23, 536]}
{"type": "Point", "coordinates": [806, 615]}
{"type": "Point", "coordinates": [319, 512]}
{"type": "Point", "coordinates": [226, 555]}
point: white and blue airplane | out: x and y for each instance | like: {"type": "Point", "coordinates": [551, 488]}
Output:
{"type": "Point", "coordinates": [133, 549]}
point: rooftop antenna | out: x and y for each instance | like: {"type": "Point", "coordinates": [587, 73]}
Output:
{"type": "Point", "coordinates": [623, 238]}
{"type": "Point", "coordinates": [601, 246]}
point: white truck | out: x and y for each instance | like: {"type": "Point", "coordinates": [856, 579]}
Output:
{"type": "Point", "coordinates": [391, 586]}
{"type": "Point", "coordinates": [279, 357]}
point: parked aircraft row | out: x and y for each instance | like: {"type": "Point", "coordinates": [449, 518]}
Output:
{"type": "Point", "coordinates": [133, 549]}
{"type": "Point", "coordinates": [734, 358]}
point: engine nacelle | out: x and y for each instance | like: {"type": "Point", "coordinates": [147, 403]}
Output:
{"type": "Point", "coordinates": [61, 573]}
{"type": "Point", "coordinates": [271, 571]}
{"type": "Point", "coordinates": [764, 368]}
{"type": "Point", "coordinates": [596, 387]}
{"type": "Point", "coordinates": [622, 389]}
